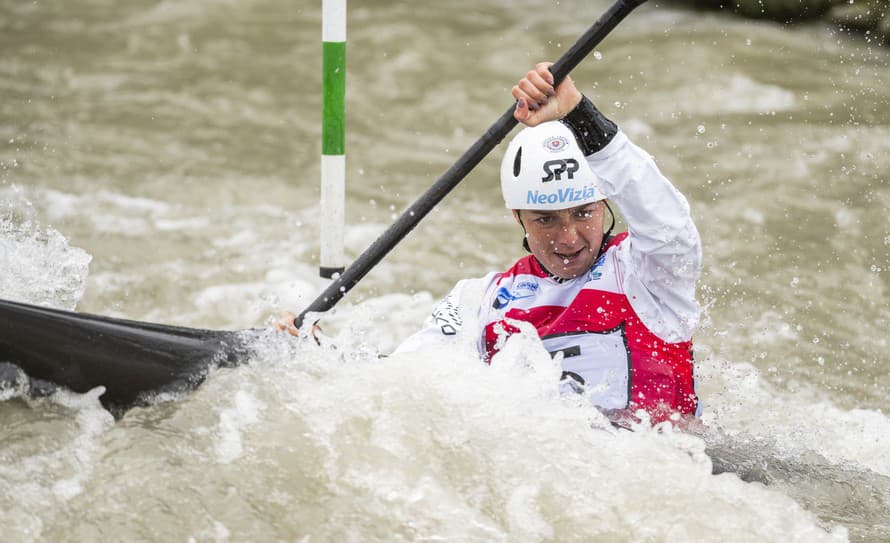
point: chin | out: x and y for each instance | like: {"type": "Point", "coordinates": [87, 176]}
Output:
{"type": "Point", "coordinates": [566, 274]}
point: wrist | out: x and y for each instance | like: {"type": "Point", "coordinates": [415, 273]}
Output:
{"type": "Point", "coordinates": [591, 128]}
{"type": "Point", "coordinates": [570, 102]}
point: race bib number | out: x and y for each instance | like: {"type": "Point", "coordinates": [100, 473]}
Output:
{"type": "Point", "coordinates": [596, 364]}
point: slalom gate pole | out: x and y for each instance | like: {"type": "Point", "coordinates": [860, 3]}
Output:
{"type": "Point", "coordinates": [333, 157]}
{"type": "Point", "coordinates": [455, 174]}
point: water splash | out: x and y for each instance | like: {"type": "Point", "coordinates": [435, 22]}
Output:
{"type": "Point", "coordinates": [38, 266]}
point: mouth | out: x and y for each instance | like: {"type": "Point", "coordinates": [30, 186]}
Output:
{"type": "Point", "coordinates": [568, 258]}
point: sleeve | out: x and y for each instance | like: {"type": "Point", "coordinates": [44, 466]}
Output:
{"type": "Point", "coordinates": [661, 260]}
{"type": "Point", "coordinates": [454, 321]}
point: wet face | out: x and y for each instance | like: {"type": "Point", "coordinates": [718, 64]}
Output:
{"type": "Point", "coordinates": [567, 241]}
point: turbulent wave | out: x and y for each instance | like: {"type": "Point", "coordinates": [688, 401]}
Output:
{"type": "Point", "coordinates": [39, 266]}
{"type": "Point", "coordinates": [332, 442]}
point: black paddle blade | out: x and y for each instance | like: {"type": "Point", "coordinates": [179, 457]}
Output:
{"type": "Point", "coordinates": [131, 359]}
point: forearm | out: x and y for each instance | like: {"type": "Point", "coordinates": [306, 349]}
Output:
{"type": "Point", "coordinates": [454, 321]}
{"type": "Point", "coordinates": [657, 214]}
{"type": "Point", "coordinates": [661, 260]}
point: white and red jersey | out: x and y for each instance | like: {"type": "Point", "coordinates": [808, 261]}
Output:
{"type": "Point", "coordinates": [624, 329]}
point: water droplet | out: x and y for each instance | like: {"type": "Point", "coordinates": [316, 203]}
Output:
{"type": "Point", "coordinates": [794, 281]}
{"type": "Point", "coordinates": [700, 129]}
{"type": "Point", "coordinates": [597, 55]}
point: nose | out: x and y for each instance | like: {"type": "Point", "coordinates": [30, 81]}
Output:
{"type": "Point", "coordinates": [567, 235]}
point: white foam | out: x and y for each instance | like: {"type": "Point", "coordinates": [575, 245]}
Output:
{"type": "Point", "coordinates": [496, 453]}
{"type": "Point", "coordinates": [365, 324]}
{"type": "Point", "coordinates": [59, 471]}
{"type": "Point", "coordinates": [131, 203]}
{"type": "Point", "coordinates": [736, 94]}
{"type": "Point", "coordinates": [358, 237]}
{"type": "Point", "coordinates": [187, 223]}
{"type": "Point", "coordinates": [753, 216]}
{"type": "Point", "coordinates": [637, 129]}
{"type": "Point", "coordinates": [232, 423]}
{"type": "Point", "coordinates": [60, 205]}
{"type": "Point", "coordinates": [249, 303]}
{"type": "Point", "coordinates": [435, 440]}
{"type": "Point", "coordinates": [741, 400]}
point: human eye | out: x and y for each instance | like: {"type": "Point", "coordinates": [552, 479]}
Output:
{"type": "Point", "coordinates": [544, 220]}
{"type": "Point", "coordinates": [585, 213]}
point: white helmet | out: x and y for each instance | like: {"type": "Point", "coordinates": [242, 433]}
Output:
{"type": "Point", "coordinates": [545, 169]}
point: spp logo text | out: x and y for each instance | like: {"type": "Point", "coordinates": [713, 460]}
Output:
{"type": "Point", "coordinates": [553, 169]}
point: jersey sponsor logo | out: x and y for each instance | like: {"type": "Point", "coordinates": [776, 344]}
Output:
{"type": "Point", "coordinates": [553, 169]}
{"type": "Point", "coordinates": [447, 317]}
{"type": "Point", "coordinates": [561, 196]}
{"type": "Point", "coordinates": [594, 272]}
{"type": "Point", "coordinates": [522, 289]}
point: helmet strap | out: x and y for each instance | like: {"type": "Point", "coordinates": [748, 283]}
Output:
{"type": "Point", "coordinates": [524, 233]}
{"type": "Point", "coordinates": [607, 235]}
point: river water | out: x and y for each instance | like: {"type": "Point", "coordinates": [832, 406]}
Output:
{"type": "Point", "coordinates": [159, 161]}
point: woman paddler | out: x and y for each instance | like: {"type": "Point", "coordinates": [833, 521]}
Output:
{"type": "Point", "coordinates": [620, 310]}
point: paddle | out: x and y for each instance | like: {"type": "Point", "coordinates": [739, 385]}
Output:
{"type": "Point", "coordinates": [455, 174]}
{"type": "Point", "coordinates": [135, 360]}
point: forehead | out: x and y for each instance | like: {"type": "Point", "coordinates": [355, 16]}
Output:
{"type": "Point", "coordinates": [586, 207]}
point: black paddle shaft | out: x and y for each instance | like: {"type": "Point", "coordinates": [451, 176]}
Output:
{"type": "Point", "coordinates": [455, 174]}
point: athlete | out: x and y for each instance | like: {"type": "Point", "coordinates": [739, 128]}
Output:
{"type": "Point", "coordinates": [618, 311]}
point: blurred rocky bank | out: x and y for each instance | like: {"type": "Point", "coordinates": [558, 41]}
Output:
{"type": "Point", "coordinates": [868, 18]}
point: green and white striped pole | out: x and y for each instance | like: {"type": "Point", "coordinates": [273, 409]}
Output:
{"type": "Point", "coordinates": [333, 157]}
